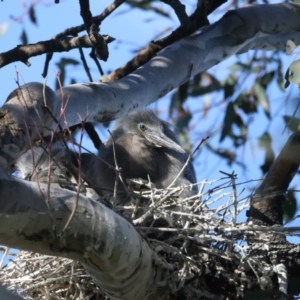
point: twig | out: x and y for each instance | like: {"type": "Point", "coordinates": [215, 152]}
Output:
{"type": "Point", "coordinates": [179, 10]}
{"type": "Point", "coordinates": [92, 30]}
{"type": "Point", "coordinates": [31, 147]}
{"type": "Point", "coordinates": [118, 172]}
{"type": "Point", "coordinates": [85, 65]}
{"type": "Point", "coordinates": [187, 161]}
{"type": "Point", "coordinates": [94, 58]}
{"type": "Point", "coordinates": [79, 180]}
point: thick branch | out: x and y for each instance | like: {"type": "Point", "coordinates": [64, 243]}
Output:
{"type": "Point", "coordinates": [236, 27]}
{"type": "Point", "coordinates": [267, 202]}
{"type": "Point", "coordinates": [109, 248]}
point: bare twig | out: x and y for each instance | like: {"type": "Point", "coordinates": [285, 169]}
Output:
{"type": "Point", "coordinates": [92, 30]}
{"type": "Point", "coordinates": [187, 162]}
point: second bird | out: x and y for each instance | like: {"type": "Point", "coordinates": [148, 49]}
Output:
{"type": "Point", "coordinates": [144, 145]}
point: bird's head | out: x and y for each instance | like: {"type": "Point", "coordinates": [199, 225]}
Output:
{"type": "Point", "coordinates": [145, 124]}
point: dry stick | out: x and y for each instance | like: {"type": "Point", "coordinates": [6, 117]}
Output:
{"type": "Point", "coordinates": [57, 126]}
{"type": "Point", "coordinates": [49, 56]}
{"type": "Point", "coordinates": [151, 190]}
{"type": "Point", "coordinates": [85, 65]}
{"type": "Point", "coordinates": [233, 177]}
{"type": "Point", "coordinates": [3, 256]}
{"type": "Point", "coordinates": [49, 170]}
{"type": "Point", "coordinates": [95, 59]}
{"type": "Point", "coordinates": [187, 161]}
{"type": "Point", "coordinates": [30, 142]}
{"type": "Point", "coordinates": [31, 147]}
{"type": "Point", "coordinates": [79, 181]}
{"type": "Point", "coordinates": [118, 173]}
{"type": "Point", "coordinates": [230, 229]}
{"type": "Point", "coordinates": [86, 149]}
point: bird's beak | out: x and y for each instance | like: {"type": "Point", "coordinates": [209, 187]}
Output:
{"type": "Point", "coordinates": [159, 139]}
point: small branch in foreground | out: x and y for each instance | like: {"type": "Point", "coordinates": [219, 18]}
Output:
{"type": "Point", "coordinates": [85, 65]}
{"type": "Point", "coordinates": [187, 161]}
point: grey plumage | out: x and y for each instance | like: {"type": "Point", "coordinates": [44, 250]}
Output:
{"type": "Point", "coordinates": [144, 145]}
{"type": "Point", "coordinates": [34, 165]}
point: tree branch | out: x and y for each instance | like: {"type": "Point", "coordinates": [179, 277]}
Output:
{"type": "Point", "coordinates": [62, 44]}
{"type": "Point", "coordinates": [268, 200]}
{"type": "Point", "coordinates": [92, 30]}
{"type": "Point", "coordinates": [23, 53]}
{"type": "Point", "coordinates": [113, 253]}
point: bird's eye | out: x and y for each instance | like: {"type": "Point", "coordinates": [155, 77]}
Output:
{"type": "Point", "coordinates": [142, 126]}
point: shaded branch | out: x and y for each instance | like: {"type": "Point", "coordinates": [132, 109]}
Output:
{"type": "Point", "coordinates": [23, 53]}
{"type": "Point", "coordinates": [197, 20]}
{"type": "Point", "coordinates": [104, 256]}
{"type": "Point", "coordinates": [179, 10]}
{"type": "Point", "coordinates": [268, 200]}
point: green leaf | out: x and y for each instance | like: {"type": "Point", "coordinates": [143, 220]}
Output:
{"type": "Point", "coordinates": [280, 80]}
{"type": "Point", "coordinates": [293, 72]}
{"type": "Point", "coordinates": [238, 120]}
{"type": "Point", "coordinates": [178, 98]}
{"type": "Point", "coordinates": [243, 102]}
{"type": "Point", "coordinates": [269, 159]}
{"type": "Point", "coordinates": [183, 121]}
{"type": "Point", "coordinates": [62, 64]}
{"type": "Point", "coordinates": [239, 67]}
{"type": "Point", "coordinates": [291, 123]}
{"type": "Point", "coordinates": [290, 206]}
{"type": "Point", "coordinates": [24, 38]}
{"type": "Point", "coordinates": [228, 120]}
{"type": "Point", "coordinates": [266, 79]}
{"type": "Point", "coordinates": [262, 98]}
{"type": "Point", "coordinates": [198, 89]}
{"type": "Point", "coordinates": [32, 15]}
{"type": "Point", "coordinates": [297, 11]}
{"type": "Point", "coordinates": [3, 28]}
{"type": "Point", "coordinates": [183, 92]}
{"type": "Point", "coordinates": [67, 61]}
{"type": "Point", "coordinates": [265, 142]}
{"type": "Point", "coordinates": [147, 5]}
{"type": "Point", "coordinates": [229, 86]}
{"type": "Point", "coordinates": [175, 103]}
